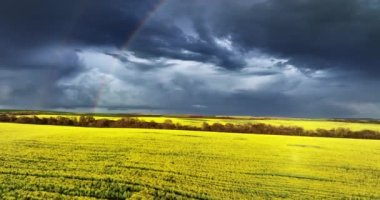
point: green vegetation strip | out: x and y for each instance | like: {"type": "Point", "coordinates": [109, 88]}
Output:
{"type": "Point", "coordinates": [257, 128]}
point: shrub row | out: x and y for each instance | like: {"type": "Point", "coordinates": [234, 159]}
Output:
{"type": "Point", "coordinates": [127, 122]}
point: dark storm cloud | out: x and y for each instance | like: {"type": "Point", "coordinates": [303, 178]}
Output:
{"type": "Point", "coordinates": [246, 103]}
{"type": "Point", "coordinates": [26, 26]}
{"type": "Point", "coordinates": [40, 40]}
{"type": "Point", "coordinates": [158, 39]}
{"type": "Point", "coordinates": [44, 36]}
{"type": "Point", "coordinates": [263, 57]}
{"type": "Point", "coordinates": [84, 21]}
{"type": "Point", "coordinates": [312, 34]}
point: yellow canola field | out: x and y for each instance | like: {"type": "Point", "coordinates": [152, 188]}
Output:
{"type": "Point", "coordinates": [47, 162]}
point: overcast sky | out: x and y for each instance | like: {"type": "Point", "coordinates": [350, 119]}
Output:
{"type": "Point", "coordinates": [298, 58]}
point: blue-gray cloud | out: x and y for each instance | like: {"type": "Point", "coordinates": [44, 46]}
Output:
{"type": "Point", "coordinates": [263, 57]}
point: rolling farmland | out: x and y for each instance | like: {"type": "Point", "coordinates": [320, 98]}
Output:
{"type": "Point", "coordinates": [89, 163]}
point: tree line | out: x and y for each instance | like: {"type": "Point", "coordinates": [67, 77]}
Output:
{"type": "Point", "coordinates": [129, 122]}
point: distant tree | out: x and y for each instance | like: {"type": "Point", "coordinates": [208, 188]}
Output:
{"type": "Point", "coordinates": [4, 118]}
{"type": "Point", "coordinates": [229, 127]}
{"type": "Point", "coordinates": [206, 126]}
{"type": "Point", "coordinates": [103, 123]}
{"type": "Point", "coordinates": [86, 121]}
{"type": "Point", "coordinates": [217, 127]}
{"type": "Point", "coordinates": [168, 124]}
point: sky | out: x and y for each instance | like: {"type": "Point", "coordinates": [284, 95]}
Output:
{"type": "Point", "coordinates": [293, 58]}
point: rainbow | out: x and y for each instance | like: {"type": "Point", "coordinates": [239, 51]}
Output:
{"type": "Point", "coordinates": [136, 31]}
{"type": "Point", "coordinates": [125, 45]}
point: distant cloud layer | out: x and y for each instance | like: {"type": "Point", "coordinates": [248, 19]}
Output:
{"type": "Point", "coordinates": [263, 57]}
